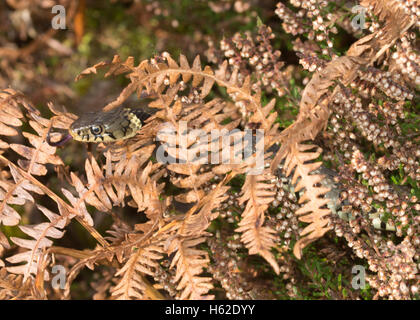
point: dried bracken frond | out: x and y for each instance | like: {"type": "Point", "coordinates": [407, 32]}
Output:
{"type": "Point", "coordinates": [312, 212]}
{"type": "Point", "coordinates": [242, 163]}
{"type": "Point", "coordinates": [107, 187]}
{"type": "Point", "coordinates": [13, 287]}
{"type": "Point", "coordinates": [258, 194]}
{"type": "Point", "coordinates": [41, 153]}
{"type": "Point", "coordinates": [155, 75]}
{"type": "Point", "coordinates": [190, 263]}
{"type": "Point", "coordinates": [141, 262]}
{"type": "Point", "coordinates": [40, 234]}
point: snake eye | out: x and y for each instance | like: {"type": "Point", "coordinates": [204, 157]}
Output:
{"type": "Point", "coordinates": [96, 130]}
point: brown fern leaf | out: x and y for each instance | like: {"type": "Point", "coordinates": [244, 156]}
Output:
{"type": "Point", "coordinates": [392, 11]}
{"type": "Point", "coordinates": [192, 145]}
{"type": "Point", "coordinates": [268, 117]}
{"type": "Point", "coordinates": [94, 192]}
{"type": "Point", "coordinates": [110, 185]}
{"type": "Point", "coordinates": [42, 153]}
{"type": "Point", "coordinates": [17, 192]}
{"type": "Point", "coordinates": [13, 287]}
{"type": "Point", "coordinates": [343, 69]}
{"type": "Point", "coordinates": [398, 19]}
{"type": "Point", "coordinates": [35, 248]}
{"type": "Point", "coordinates": [301, 130]}
{"type": "Point", "coordinates": [11, 103]}
{"type": "Point", "coordinates": [190, 263]}
{"type": "Point", "coordinates": [116, 67]}
{"type": "Point", "coordinates": [90, 259]}
{"type": "Point", "coordinates": [146, 192]}
{"type": "Point", "coordinates": [4, 244]}
{"type": "Point", "coordinates": [154, 76]}
{"type": "Point", "coordinates": [137, 249]}
{"type": "Point", "coordinates": [29, 183]}
{"type": "Point", "coordinates": [199, 217]}
{"type": "Point", "coordinates": [171, 107]}
{"type": "Point", "coordinates": [297, 160]}
{"type": "Point", "coordinates": [141, 262]}
{"type": "Point", "coordinates": [118, 232]}
{"type": "Point", "coordinates": [62, 118]}
{"type": "Point", "coordinates": [79, 206]}
{"type": "Point", "coordinates": [258, 193]}
{"type": "Point", "coordinates": [314, 111]}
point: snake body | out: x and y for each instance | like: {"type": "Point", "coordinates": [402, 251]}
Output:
{"type": "Point", "coordinates": [117, 124]}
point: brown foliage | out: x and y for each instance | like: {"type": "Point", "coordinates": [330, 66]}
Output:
{"type": "Point", "coordinates": [164, 255]}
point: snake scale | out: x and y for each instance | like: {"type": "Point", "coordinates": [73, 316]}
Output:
{"type": "Point", "coordinates": [123, 123]}
{"type": "Point", "coordinates": [117, 124]}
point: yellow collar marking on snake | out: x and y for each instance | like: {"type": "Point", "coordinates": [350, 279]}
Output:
{"type": "Point", "coordinates": [117, 124]}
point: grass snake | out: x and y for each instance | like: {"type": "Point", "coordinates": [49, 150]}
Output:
{"type": "Point", "coordinates": [117, 124]}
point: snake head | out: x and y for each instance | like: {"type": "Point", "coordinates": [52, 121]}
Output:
{"type": "Point", "coordinates": [117, 124]}
{"type": "Point", "coordinates": [84, 131]}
